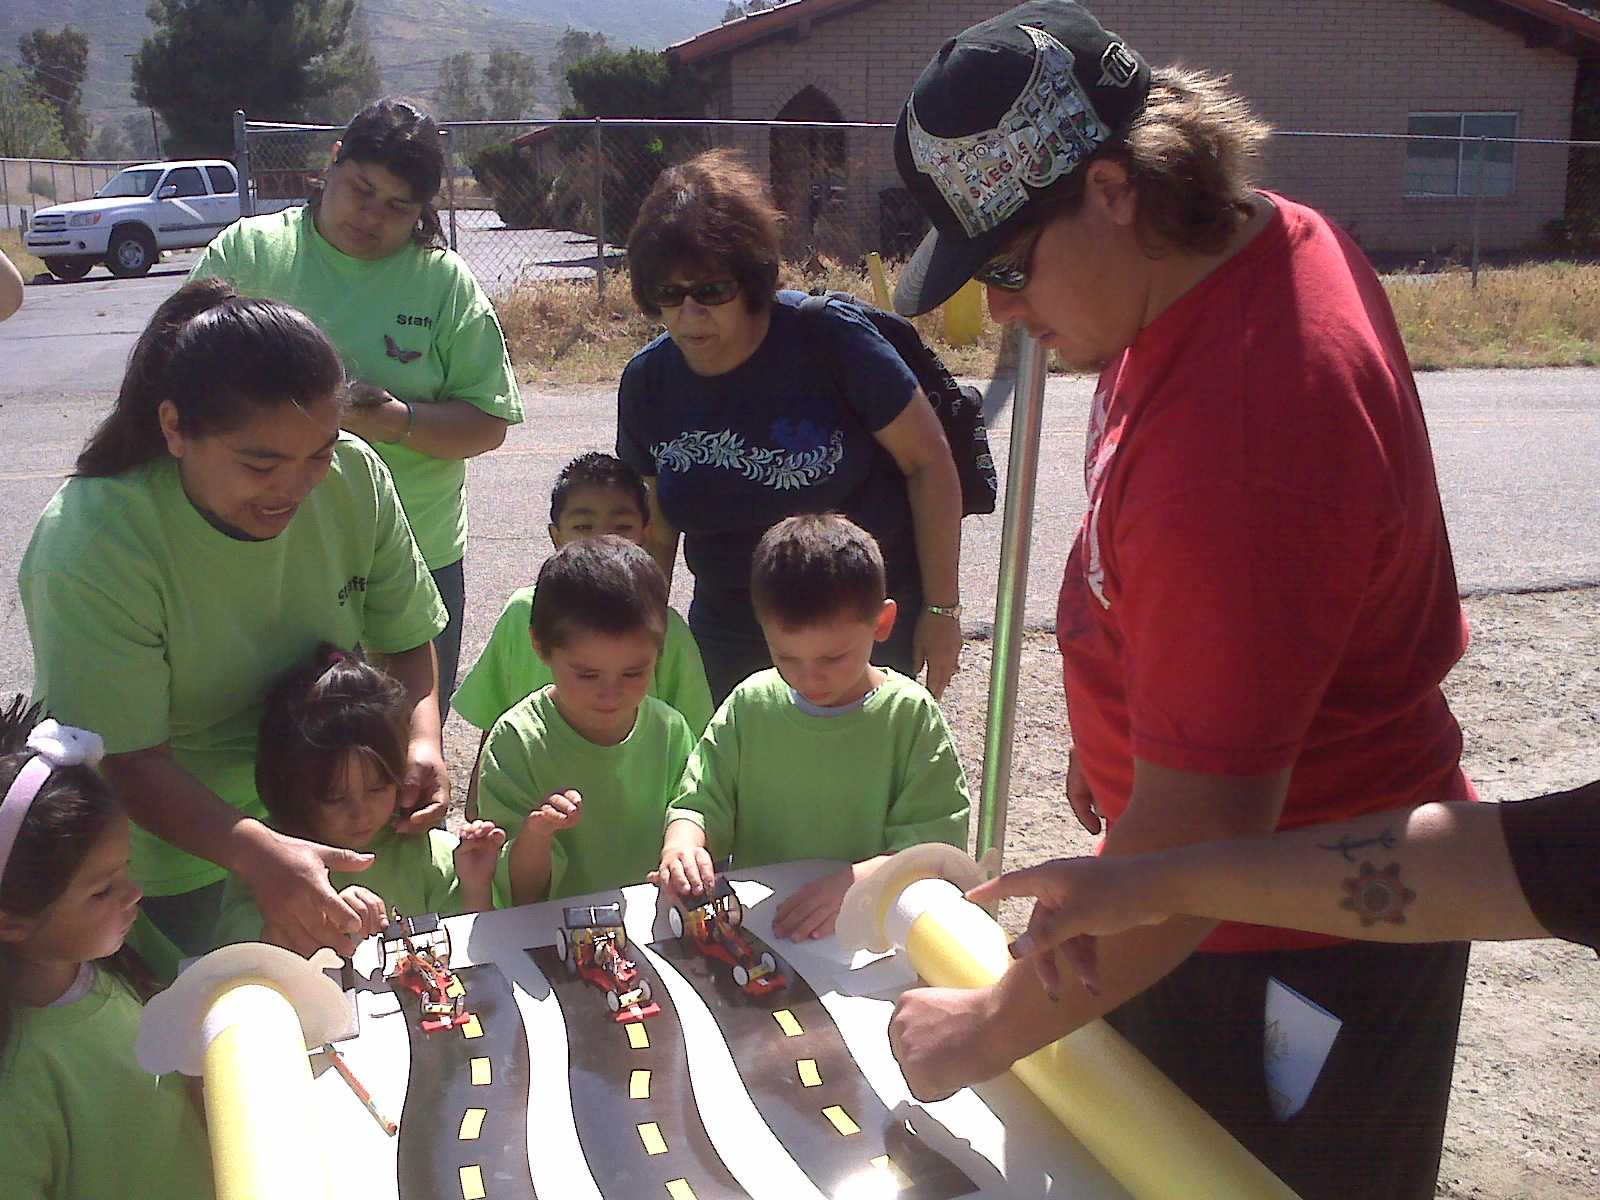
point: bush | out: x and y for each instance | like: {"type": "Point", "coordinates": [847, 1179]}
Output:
{"type": "Point", "coordinates": [42, 186]}
{"type": "Point", "coordinates": [520, 193]}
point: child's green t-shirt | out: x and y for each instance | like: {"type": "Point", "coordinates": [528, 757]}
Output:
{"type": "Point", "coordinates": [415, 324]}
{"type": "Point", "coordinates": [150, 626]}
{"type": "Point", "coordinates": [771, 784]}
{"type": "Point", "coordinates": [508, 669]}
{"type": "Point", "coordinates": [415, 873]}
{"type": "Point", "coordinates": [532, 752]}
{"type": "Point", "coordinates": [80, 1119]}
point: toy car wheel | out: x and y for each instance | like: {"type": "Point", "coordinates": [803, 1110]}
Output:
{"type": "Point", "coordinates": [768, 962]}
{"type": "Point", "coordinates": [132, 253]}
{"type": "Point", "coordinates": [613, 1001]}
{"type": "Point", "coordinates": [69, 269]}
{"type": "Point", "coordinates": [735, 911]}
{"type": "Point", "coordinates": [644, 992]}
{"type": "Point", "coordinates": [563, 947]}
{"type": "Point", "coordinates": [740, 975]}
{"type": "Point", "coordinates": [675, 920]}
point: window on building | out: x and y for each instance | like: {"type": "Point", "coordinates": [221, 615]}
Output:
{"type": "Point", "coordinates": [1464, 167]}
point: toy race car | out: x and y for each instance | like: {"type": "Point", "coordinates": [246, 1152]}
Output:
{"type": "Point", "coordinates": [715, 928]}
{"type": "Point", "coordinates": [416, 952]}
{"type": "Point", "coordinates": [591, 943]}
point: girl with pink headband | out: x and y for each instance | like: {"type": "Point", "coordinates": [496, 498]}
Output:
{"type": "Point", "coordinates": [79, 1117]}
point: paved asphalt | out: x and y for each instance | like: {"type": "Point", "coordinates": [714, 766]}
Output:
{"type": "Point", "coordinates": [1518, 455]}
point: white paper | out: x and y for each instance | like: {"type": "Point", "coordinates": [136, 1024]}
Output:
{"type": "Point", "coordinates": [1299, 1035]}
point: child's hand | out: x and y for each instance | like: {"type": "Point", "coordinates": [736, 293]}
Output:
{"type": "Point", "coordinates": [479, 852]}
{"type": "Point", "coordinates": [369, 906]}
{"type": "Point", "coordinates": [560, 810]}
{"type": "Point", "coordinates": [685, 871]}
{"type": "Point", "coordinates": [813, 908]}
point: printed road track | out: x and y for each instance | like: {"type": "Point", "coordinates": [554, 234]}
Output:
{"type": "Point", "coordinates": [640, 1130]}
{"type": "Point", "coordinates": [804, 1082]}
{"type": "Point", "coordinates": [464, 1129]}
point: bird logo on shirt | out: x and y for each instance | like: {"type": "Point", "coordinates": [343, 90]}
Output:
{"type": "Point", "coordinates": [395, 351]}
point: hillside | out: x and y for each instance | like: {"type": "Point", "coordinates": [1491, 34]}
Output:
{"type": "Point", "coordinates": [409, 37]}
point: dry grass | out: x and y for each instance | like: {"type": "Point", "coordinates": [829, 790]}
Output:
{"type": "Point", "coordinates": [11, 244]}
{"type": "Point", "coordinates": [1540, 315]}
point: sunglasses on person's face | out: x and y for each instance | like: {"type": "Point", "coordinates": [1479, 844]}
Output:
{"type": "Point", "coordinates": [1010, 269]}
{"type": "Point", "coordinates": [711, 293]}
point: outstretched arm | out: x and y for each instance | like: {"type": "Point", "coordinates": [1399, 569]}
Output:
{"type": "Point", "coordinates": [1433, 873]}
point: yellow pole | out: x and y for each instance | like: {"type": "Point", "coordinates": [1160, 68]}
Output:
{"type": "Point", "coordinates": [963, 314]}
{"type": "Point", "coordinates": [265, 1141]}
{"type": "Point", "coordinates": [1158, 1143]}
{"type": "Point", "coordinates": [880, 281]}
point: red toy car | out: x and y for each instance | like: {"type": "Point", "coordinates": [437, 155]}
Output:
{"type": "Point", "coordinates": [416, 951]}
{"type": "Point", "coordinates": [715, 927]}
{"type": "Point", "coordinates": [591, 943]}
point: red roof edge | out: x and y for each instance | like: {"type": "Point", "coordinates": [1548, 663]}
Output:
{"type": "Point", "coordinates": [758, 27]}
{"type": "Point", "coordinates": [771, 22]}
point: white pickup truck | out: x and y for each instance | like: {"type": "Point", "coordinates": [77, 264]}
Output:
{"type": "Point", "coordinates": [142, 211]}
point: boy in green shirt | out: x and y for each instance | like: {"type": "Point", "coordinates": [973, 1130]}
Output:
{"type": "Point", "coordinates": [584, 766]}
{"type": "Point", "coordinates": [594, 494]}
{"type": "Point", "coordinates": [823, 755]}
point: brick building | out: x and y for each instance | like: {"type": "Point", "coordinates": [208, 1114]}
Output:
{"type": "Point", "coordinates": [1439, 68]}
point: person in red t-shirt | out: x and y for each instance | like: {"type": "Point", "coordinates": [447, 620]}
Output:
{"type": "Point", "coordinates": [1261, 603]}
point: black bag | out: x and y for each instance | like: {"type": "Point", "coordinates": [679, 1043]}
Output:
{"type": "Point", "coordinates": [958, 407]}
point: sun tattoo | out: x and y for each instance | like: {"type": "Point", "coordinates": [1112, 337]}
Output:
{"type": "Point", "coordinates": [1376, 895]}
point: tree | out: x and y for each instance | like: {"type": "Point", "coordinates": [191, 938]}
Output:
{"type": "Point", "coordinates": [56, 64]}
{"type": "Point", "coordinates": [510, 84]}
{"type": "Point", "coordinates": [363, 85]}
{"type": "Point", "coordinates": [733, 12]}
{"type": "Point", "coordinates": [634, 83]}
{"type": "Point", "coordinates": [575, 46]}
{"type": "Point", "coordinates": [29, 126]}
{"type": "Point", "coordinates": [275, 59]}
{"type": "Point", "coordinates": [458, 96]}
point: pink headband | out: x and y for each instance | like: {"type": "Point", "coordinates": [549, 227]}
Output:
{"type": "Point", "coordinates": [53, 745]}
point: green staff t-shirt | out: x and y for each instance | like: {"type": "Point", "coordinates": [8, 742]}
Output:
{"type": "Point", "coordinates": [415, 324]}
{"type": "Point", "coordinates": [149, 625]}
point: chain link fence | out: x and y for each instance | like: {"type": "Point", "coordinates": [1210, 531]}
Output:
{"type": "Point", "coordinates": [29, 184]}
{"type": "Point", "coordinates": [527, 201]}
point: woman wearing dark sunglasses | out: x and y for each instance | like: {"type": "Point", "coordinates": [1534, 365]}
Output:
{"type": "Point", "coordinates": [736, 421]}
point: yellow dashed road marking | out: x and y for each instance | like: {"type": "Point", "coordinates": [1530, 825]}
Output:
{"type": "Point", "coordinates": [902, 1181]}
{"type": "Point", "coordinates": [637, 1037]}
{"type": "Point", "coordinates": [650, 1135]}
{"type": "Point", "coordinates": [841, 1120]}
{"type": "Point", "coordinates": [472, 1123]}
{"type": "Point", "coordinates": [472, 1029]}
{"type": "Point", "coordinates": [472, 1183]}
{"type": "Point", "coordinates": [679, 1189]}
{"type": "Point", "coordinates": [639, 1086]}
{"type": "Point", "coordinates": [809, 1075]}
{"type": "Point", "coordinates": [482, 1072]}
{"type": "Point", "coordinates": [788, 1022]}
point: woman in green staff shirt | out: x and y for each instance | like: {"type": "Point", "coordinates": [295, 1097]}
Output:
{"type": "Point", "coordinates": [217, 527]}
{"type": "Point", "coordinates": [432, 385]}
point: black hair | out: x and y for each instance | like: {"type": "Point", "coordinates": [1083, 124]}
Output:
{"type": "Point", "coordinates": [595, 469]}
{"type": "Point", "coordinates": [405, 141]}
{"type": "Point", "coordinates": [815, 568]}
{"type": "Point", "coordinates": [72, 810]}
{"type": "Point", "coordinates": [317, 712]}
{"type": "Point", "coordinates": [220, 358]}
{"type": "Point", "coordinates": [605, 585]}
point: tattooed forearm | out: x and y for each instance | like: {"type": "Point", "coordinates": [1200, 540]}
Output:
{"type": "Point", "coordinates": [1376, 895]}
{"type": "Point", "coordinates": [1348, 846]}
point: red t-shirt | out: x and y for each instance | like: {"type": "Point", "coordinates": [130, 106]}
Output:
{"type": "Point", "coordinates": [1263, 577]}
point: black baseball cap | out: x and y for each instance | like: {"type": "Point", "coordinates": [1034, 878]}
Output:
{"type": "Point", "coordinates": [1003, 111]}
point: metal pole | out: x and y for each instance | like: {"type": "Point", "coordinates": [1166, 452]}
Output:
{"type": "Point", "coordinates": [241, 162]}
{"type": "Point", "coordinates": [155, 132]}
{"type": "Point", "coordinates": [5, 188]}
{"type": "Point", "coordinates": [599, 214]}
{"type": "Point", "coordinates": [55, 186]}
{"type": "Point", "coordinates": [1027, 413]}
{"type": "Point", "coordinates": [450, 181]}
{"type": "Point", "coordinates": [1477, 213]}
